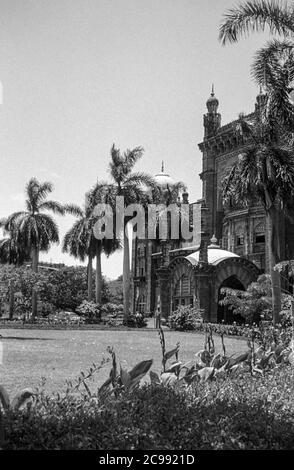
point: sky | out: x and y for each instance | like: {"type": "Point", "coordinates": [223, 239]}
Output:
{"type": "Point", "coordinates": [79, 75]}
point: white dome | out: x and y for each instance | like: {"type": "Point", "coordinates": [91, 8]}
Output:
{"type": "Point", "coordinates": [215, 256]}
{"type": "Point", "coordinates": [163, 179]}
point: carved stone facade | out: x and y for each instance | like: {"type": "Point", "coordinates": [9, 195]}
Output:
{"type": "Point", "coordinates": [172, 273]}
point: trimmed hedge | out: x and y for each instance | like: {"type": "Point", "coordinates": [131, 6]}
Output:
{"type": "Point", "coordinates": [241, 412]}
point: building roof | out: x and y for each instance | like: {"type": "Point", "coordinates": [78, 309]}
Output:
{"type": "Point", "coordinates": [215, 256]}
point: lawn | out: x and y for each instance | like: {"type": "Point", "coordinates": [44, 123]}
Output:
{"type": "Point", "coordinates": [29, 355]}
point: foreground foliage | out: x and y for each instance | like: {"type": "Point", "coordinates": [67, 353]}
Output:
{"type": "Point", "coordinates": [236, 413]}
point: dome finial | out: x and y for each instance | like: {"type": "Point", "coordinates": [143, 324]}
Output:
{"type": "Point", "coordinates": [212, 102]}
{"type": "Point", "coordinates": [162, 166]}
{"type": "Point", "coordinates": [213, 239]}
{"type": "Point", "coordinates": [213, 242]}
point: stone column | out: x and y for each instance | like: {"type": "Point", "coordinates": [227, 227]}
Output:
{"type": "Point", "coordinates": [203, 277]}
{"type": "Point", "coordinates": [204, 293]}
{"type": "Point", "coordinates": [165, 248]}
{"type": "Point", "coordinates": [148, 275]}
{"type": "Point", "coordinates": [203, 254]}
{"type": "Point", "coordinates": [164, 289]}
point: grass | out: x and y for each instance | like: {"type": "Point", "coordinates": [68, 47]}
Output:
{"type": "Point", "coordinates": [29, 355]}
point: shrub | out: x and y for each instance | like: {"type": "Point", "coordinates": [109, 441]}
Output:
{"type": "Point", "coordinates": [255, 304]}
{"type": "Point", "coordinates": [90, 311]}
{"type": "Point", "coordinates": [111, 309]}
{"type": "Point", "coordinates": [185, 318]}
{"type": "Point", "coordinates": [136, 320]}
{"type": "Point", "coordinates": [232, 413]}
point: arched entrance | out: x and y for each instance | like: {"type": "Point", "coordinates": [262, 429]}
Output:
{"type": "Point", "coordinates": [223, 312]}
{"type": "Point", "coordinates": [182, 292]}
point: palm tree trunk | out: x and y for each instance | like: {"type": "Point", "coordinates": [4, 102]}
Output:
{"type": "Point", "coordinates": [90, 278]}
{"type": "Point", "coordinates": [11, 301]}
{"type": "Point", "coordinates": [274, 251]}
{"type": "Point", "coordinates": [35, 259]}
{"type": "Point", "coordinates": [98, 275]}
{"type": "Point", "coordinates": [35, 262]}
{"type": "Point", "coordinates": [34, 303]}
{"type": "Point", "coordinates": [126, 277]}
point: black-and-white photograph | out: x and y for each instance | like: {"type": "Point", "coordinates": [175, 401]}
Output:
{"type": "Point", "coordinates": [146, 229]}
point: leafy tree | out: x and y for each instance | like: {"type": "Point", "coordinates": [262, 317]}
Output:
{"type": "Point", "coordinates": [255, 303]}
{"type": "Point", "coordinates": [252, 303]}
{"type": "Point", "coordinates": [116, 290]}
{"type": "Point", "coordinates": [64, 289]}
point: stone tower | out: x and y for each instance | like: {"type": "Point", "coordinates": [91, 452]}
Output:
{"type": "Point", "coordinates": [212, 124]}
{"type": "Point", "coordinates": [212, 119]}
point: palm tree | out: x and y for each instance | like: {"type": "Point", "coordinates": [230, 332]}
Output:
{"type": "Point", "coordinates": [264, 172]}
{"type": "Point", "coordinates": [34, 228]}
{"type": "Point", "coordinates": [12, 247]}
{"type": "Point", "coordinates": [78, 241]}
{"type": "Point", "coordinates": [255, 16]}
{"type": "Point", "coordinates": [37, 229]}
{"type": "Point", "coordinates": [132, 187]}
{"type": "Point", "coordinates": [273, 66]}
{"type": "Point", "coordinates": [101, 193]}
{"type": "Point", "coordinates": [273, 69]}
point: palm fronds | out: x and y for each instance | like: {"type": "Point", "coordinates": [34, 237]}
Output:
{"type": "Point", "coordinates": [256, 16]}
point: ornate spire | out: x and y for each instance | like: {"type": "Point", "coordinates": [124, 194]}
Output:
{"type": "Point", "coordinates": [213, 242]}
{"type": "Point", "coordinates": [212, 102]}
{"type": "Point", "coordinates": [212, 119]}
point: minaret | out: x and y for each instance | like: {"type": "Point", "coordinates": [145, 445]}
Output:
{"type": "Point", "coordinates": [212, 119]}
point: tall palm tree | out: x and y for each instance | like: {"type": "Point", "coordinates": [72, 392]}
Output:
{"type": "Point", "coordinates": [78, 242]}
{"type": "Point", "coordinates": [101, 192]}
{"type": "Point", "coordinates": [132, 186]}
{"type": "Point", "coordinates": [273, 66]}
{"type": "Point", "coordinates": [37, 229]}
{"type": "Point", "coordinates": [264, 171]}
